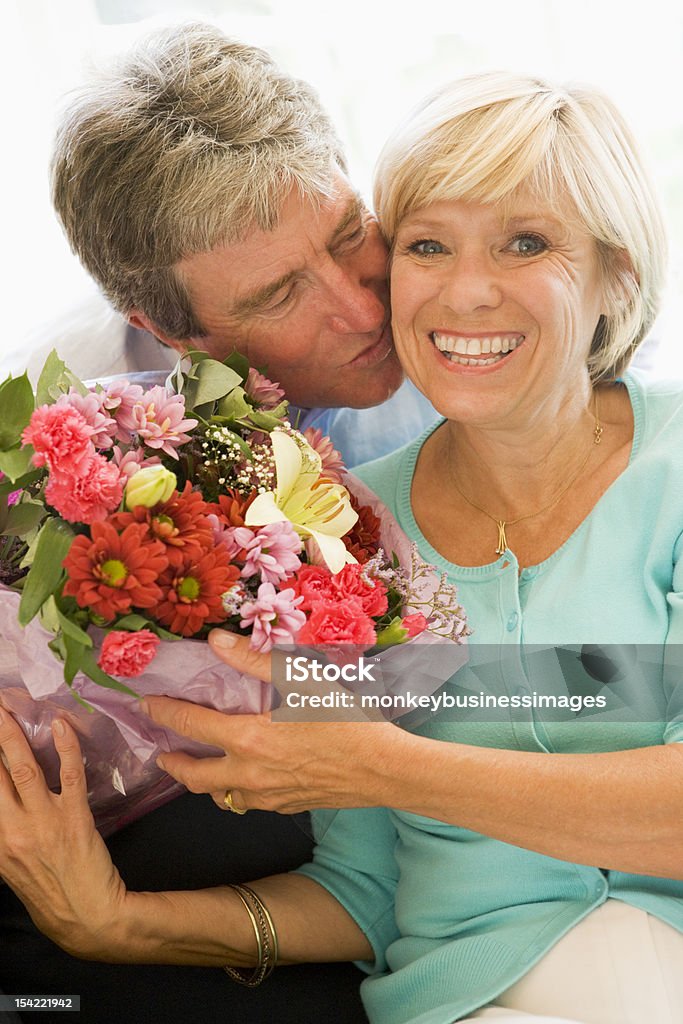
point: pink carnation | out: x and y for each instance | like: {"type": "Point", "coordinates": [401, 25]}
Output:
{"type": "Point", "coordinates": [158, 419]}
{"type": "Point", "coordinates": [351, 581]}
{"type": "Point", "coordinates": [333, 467]}
{"type": "Point", "coordinates": [262, 391]}
{"type": "Point", "coordinates": [338, 622]}
{"type": "Point", "coordinates": [120, 398]}
{"type": "Point", "coordinates": [414, 624]}
{"type": "Point", "coordinates": [312, 583]}
{"type": "Point", "coordinates": [273, 552]}
{"type": "Point", "coordinates": [88, 497]}
{"type": "Point", "coordinates": [273, 617]}
{"type": "Point", "coordinates": [91, 408]}
{"type": "Point", "coordinates": [14, 496]}
{"type": "Point", "coordinates": [62, 438]}
{"type": "Point", "coordinates": [128, 654]}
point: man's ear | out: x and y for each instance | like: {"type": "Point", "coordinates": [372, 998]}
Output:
{"type": "Point", "coordinates": [143, 323]}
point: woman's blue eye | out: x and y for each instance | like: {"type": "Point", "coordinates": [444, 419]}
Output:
{"type": "Point", "coordinates": [426, 247]}
{"type": "Point", "coordinates": [528, 245]}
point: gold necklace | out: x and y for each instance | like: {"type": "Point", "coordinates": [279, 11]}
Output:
{"type": "Point", "coordinates": [503, 523]}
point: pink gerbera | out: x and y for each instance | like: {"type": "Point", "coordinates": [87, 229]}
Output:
{"type": "Point", "coordinates": [61, 436]}
{"type": "Point", "coordinates": [333, 467]}
{"type": "Point", "coordinates": [274, 617]}
{"type": "Point", "coordinates": [262, 391]}
{"type": "Point", "coordinates": [272, 552]}
{"type": "Point", "coordinates": [88, 497]}
{"type": "Point", "coordinates": [120, 398]}
{"type": "Point", "coordinates": [159, 421]}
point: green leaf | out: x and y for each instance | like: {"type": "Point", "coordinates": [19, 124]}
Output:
{"type": "Point", "coordinates": [90, 668]}
{"type": "Point", "coordinates": [265, 420]}
{"type": "Point", "coordinates": [52, 547]}
{"type": "Point", "coordinates": [24, 517]}
{"type": "Point", "coordinates": [50, 376]}
{"type": "Point", "coordinates": [8, 486]}
{"type": "Point", "coordinates": [136, 622]}
{"type": "Point", "coordinates": [239, 363]}
{"type": "Point", "coordinates": [72, 630]}
{"type": "Point", "coordinates": [55, 380]}
{"type": "Point", "coordinates": [17, 462]}
{"type": "Point", "coordinates": [211, 381]}
{"type": "Point", "coordinates": [234, 406]}
{"type": "Point", "coordinates": [16, 407]}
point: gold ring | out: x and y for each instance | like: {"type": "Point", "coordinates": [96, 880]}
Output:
{"type": "Point", "coordinates": [227, 800]}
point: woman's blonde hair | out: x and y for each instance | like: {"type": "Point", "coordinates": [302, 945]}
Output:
{"type": "Point", "coordinates": [483, 137]}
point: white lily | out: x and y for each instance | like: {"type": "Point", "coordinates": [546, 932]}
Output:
{"type": "Point", "coordinates": [316, 508]}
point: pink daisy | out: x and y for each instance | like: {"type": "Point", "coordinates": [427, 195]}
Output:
{"type": "Point", "coordinates": [273, 617]}
{"type": "Point", "coordinates": [91, 408]}
{"type": "Point", "coordinates": [159, 420]}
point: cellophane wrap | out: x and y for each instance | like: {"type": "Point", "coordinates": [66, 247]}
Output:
{"type": "Point", "coordinates": [120, 743]}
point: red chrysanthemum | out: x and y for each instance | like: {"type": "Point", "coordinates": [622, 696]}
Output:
{"type": "Point", "coordinates": [180, 524]}
{"type": "Point", "coordinates": [192, 591]}
{"type": "Point", "coordinates": [110, 573]}
{"type": "Point", "coordinates": [231, 508]}
{"type": "Point", "coordinates": [362, 540]}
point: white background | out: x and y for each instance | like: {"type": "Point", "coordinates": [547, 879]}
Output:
{"type": "Point", "coordinates": [371, 61]}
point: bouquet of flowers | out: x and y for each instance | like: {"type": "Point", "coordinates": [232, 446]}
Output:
{"type": "Point", "coordinates": [133, 521]}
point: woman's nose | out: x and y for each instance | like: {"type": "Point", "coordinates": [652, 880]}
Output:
{"type": "Point", "coordinates": [471, 282]}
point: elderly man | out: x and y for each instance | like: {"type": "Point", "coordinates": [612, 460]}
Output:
{"type": "Point", "coordinates": [206, 192]}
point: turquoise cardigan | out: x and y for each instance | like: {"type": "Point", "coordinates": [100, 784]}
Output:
{"type": "Point", "coordinates": [453, 916]}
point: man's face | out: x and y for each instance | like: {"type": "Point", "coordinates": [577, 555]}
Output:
{"type": "Point", "coordinates": [308, 303]}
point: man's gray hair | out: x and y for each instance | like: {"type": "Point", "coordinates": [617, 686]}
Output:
{"type": "Point", "coordinates": [186, 144]}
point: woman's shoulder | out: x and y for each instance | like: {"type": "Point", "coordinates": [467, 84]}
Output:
{"type": "Point", "coordinates": [657, 406]}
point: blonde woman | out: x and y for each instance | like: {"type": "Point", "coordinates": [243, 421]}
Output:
{"type": "Point", "coordinates": [527, 870]}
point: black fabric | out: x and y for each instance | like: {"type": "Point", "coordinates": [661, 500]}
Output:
{"type": "Point", "coordinates": [188, 844]}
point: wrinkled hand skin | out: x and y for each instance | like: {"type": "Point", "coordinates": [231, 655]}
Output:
{"type": "Point", "coordinates": [51, 855]}
{"type": "Point", "coordinates": [286, 767]}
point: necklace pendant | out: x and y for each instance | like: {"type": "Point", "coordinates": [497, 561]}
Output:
{"type": "Point", "coordinates": [502, 539]}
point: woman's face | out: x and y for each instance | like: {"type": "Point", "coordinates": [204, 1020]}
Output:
{"type": "Point", "coordinates": [493, 319]}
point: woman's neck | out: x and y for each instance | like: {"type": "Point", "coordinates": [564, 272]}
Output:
{"type": "Point", "coordinates": [511, 470]}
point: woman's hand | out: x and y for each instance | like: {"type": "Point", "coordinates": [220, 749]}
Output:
{"type": "Point", "coordinates": [50, 852]}
{"type": "Point", "coordinates": [284, 766]}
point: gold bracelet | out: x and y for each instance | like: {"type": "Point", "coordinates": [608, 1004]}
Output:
{"type": "Point", "coordinates": [266, 939]}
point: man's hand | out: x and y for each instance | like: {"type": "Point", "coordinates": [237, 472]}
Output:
{"type": "Point", "coordinates": [279, 766]}
{"type": "Point", "coordinates": [51, 855]}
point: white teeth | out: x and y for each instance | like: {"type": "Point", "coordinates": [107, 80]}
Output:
{"type": "Point", "coordinates": [463, 346]}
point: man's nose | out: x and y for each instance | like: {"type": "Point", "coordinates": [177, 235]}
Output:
{"type": "Point", "coordinates": [358, 297]}
{"type": "Point", "coordinates": [471, 282]}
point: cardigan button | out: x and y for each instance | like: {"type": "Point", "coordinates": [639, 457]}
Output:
{"type": "Point", "coordinates": [512, 622]}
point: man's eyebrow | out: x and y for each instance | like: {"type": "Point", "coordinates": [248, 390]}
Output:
{"type": "Point", "coordinates": [261, 297]}
{"type": "Point", "coordinates": [353, 212]}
